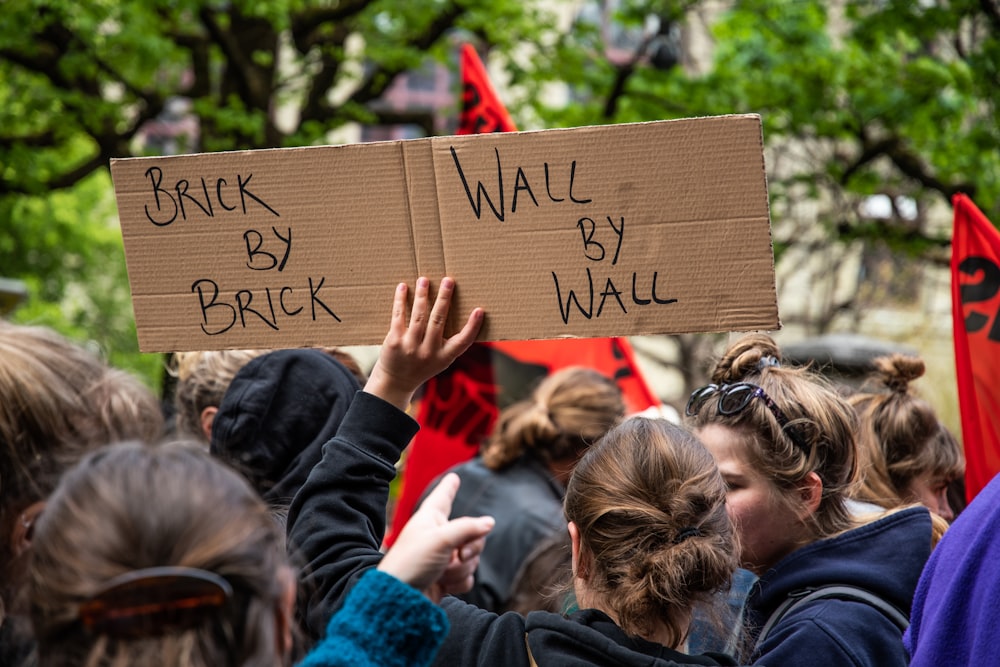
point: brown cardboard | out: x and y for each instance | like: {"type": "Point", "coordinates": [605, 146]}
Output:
{"type": "Point", "coordinates": [668, 221]}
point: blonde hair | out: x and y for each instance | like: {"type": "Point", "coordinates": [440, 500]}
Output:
{"type": "Point", "coordinates": [133, 506]}
{"type": "Point", "coordinates": [900, 437]}
{"type": "Point", "coordinates": [650, 506]}
{"type": "Point", "coordinates": [202, 380]}
{"type": "Point", "coordinates": [568, 411]}
{"type": "Point", "coordinates": [818, 417]}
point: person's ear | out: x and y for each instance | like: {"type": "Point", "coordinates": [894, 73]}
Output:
{"type": "Point", "coordinates": [207, 418]}
{"type": "Point", "coordinates": [285, 613]}
{"type": "Point", "coordinates": [811, 494]}
{"type": "Point", "coordinates": [581, 564]}
{"type": "Point", "coordinates": [24, 527]}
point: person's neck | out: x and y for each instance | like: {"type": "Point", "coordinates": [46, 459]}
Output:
{"type": "Point", "coordinates": [659, 633]}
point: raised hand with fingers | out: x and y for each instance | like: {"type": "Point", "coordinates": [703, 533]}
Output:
{"type": "Point", "coordinates": [416, 349]}
{"type": "Point", "coordinates": [433, 554]}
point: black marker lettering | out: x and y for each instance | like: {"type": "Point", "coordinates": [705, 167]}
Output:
{"type": "Point", "coordinates": [197, 286]}
{"type": "Point", "coordinates": [572, 178]}
{"type": "Point", "coordinates": [477, 205]}
{"type": "Point", "coordinates": [609, 290]}
{"type": "Point", "coordinates": [218, 194]}
{"type": "Point", "coordinates": [313, 291]}
{"type": "Point", "coordinates": [155, 175]}
{"type": "Point", "coordinates": [621, 235]}
{"type": "Point", "coordinates": [281, 301]}
{"type": "Point", "coordinates": [573, 298]}
{"type": "Point", "coordinates": [548, 190]}
{"type": "Point", "coordinates": [245, 308]}
{"type": "Point", "coordinates": [521, 178]}
{"type": "Point", "coordinates": [244, 193]}
{"type": "Point", "coordinates": [589, 244]}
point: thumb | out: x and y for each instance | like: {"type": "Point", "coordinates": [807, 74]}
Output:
{"type": "Point", "coordinates": [459, 532]}
{"type": "Point", "coordinates": [443, 495]}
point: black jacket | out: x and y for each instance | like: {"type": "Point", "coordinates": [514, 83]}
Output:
{"type": "Point", "coordinates": [337, 520]}
{"type": "Point", "coordinates": [526, 502]}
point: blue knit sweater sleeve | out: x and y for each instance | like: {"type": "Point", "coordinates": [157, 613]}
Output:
{"type": "Point", "coordinates": [384, 622]}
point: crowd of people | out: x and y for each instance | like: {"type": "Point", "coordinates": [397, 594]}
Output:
{"type": "Point", "coordinates": [783, 521]}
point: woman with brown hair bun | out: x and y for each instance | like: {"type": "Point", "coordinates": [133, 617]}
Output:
{"type": "Point", "coordinates": [645, 508]}
{"type": "Point", "coordinates": [907, 455]}
{"type": "Point", "coordinates": [785, 442]}
{"type": "Point", "coordinates": [520, 477]}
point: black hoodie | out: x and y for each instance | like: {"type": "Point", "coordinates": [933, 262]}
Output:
{"type": "Point", "coordinates": [277, 413]}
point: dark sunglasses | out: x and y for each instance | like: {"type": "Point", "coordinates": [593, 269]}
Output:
{"type": "Point", "coordinates": [734, 398]}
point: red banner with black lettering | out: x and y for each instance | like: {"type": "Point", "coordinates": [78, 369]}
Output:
{"type": "Point", "coordinates": [482, 110]}
{"type": "Point", "coordinates": [459, 407]}
{"type": "Point", "coordinates": [975, 290]}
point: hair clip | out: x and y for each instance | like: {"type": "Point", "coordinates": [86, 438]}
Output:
{"type": "Point", "coordinates": [686, 533]}
{"type": "Point", "coordinates": [767, 361]}
{"type": "Point", "coordinates": [154, 601]}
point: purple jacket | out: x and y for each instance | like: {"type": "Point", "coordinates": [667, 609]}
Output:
{"type": "Point", "coordinates": [956, 609]}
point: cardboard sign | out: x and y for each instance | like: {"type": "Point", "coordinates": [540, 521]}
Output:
{"type": "Point", "coordinates": [643, 228]}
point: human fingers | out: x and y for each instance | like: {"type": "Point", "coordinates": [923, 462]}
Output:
{"type": "Point", "coordinates": [458, 577]}
{"type": "Point", "coordinates": [461, 341]}
{"type": "Point", "coordinates": [442, 305]}
{"type": "Point", "coordinates": [418, 313]}
{"type": "Point", "coordinates": [465, 531]}
{"type": "Point", "coordinates": [440, 499]}
{"type": "Point", "coordinates": [397, 323]}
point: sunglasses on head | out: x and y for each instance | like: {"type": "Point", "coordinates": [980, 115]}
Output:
{"type": "Point", "coordinates": [734, 398]}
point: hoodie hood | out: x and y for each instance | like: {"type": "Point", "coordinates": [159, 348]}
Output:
{"type": "Point", "coordinates": [884, 557]}
{"type": "Point", "coordinates": [590, 637]}
{"type": "Point", "coordinates": [276, 415]}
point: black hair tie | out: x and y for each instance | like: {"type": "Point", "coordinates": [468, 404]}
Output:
{"type": "Point", "coordinates": [686, 533]}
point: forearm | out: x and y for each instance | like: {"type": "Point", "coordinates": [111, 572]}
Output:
{"type": "Point", "coordinates": [337, 519]}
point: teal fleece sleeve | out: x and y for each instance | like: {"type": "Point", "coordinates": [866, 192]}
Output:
{"type": "Point", "coordinates": [384, 622]}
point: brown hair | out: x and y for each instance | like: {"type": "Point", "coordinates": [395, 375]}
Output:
{"type": "Point", "coordinates": [202, 380]}
{"type": "Point", "coordinates": [650, 506]}
{"type": "Point", "coordinates": [133, 506]}
{"type": "Point", "coordinates": [58, 401]}
{"type": "Point", "coordinates": [819, 417]}
{"type": "Point", "coordinates": [567, 412]}
{"type": "Point", "coordinates": [900, 435]}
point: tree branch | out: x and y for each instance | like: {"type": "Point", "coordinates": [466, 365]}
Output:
{"type": "Point", "coordinates": [306, 24]}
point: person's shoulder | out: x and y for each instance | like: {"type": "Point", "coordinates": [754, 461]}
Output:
{"type": "Point", "coordinates": [834, 631]}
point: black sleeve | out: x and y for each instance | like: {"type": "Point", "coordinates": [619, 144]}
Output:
{"type": "Point", "coordinates": [337, 519]}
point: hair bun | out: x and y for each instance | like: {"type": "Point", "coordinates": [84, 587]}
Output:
{"type": "Point", "coordinates": [748, 356]}
{"type": "Point", "coordinates": [896, 371]}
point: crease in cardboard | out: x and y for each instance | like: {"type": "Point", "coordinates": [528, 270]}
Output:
{"type": "Point", "coordinates": [437, 217]}
{"type": "Point", "coordinates": [403, 156]}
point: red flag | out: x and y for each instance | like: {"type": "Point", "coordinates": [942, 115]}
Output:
{"type": "Point", "coordinates": [482, 111]}
{"type": "Point", "coordinates": [975, 292]}
{"type": "Point", "coordinates": [460, 406]}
